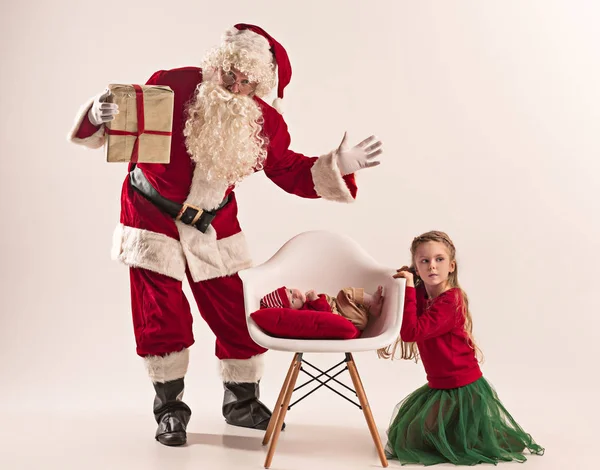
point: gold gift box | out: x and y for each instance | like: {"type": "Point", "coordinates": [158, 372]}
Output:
{"type": "Point", "coordinates": [123, 142]}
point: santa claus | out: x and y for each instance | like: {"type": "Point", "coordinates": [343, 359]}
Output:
{"type": "Point", "coordinates": [179, 220]}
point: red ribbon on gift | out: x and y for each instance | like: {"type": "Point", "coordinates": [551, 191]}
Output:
{"type": "Point", "coordinates": [141, 125]}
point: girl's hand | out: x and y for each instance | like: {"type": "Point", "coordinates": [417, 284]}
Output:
{"type": "Point", "coordinates": [311, 296]}
{"type": "Point", "coordinates": [404, 272]}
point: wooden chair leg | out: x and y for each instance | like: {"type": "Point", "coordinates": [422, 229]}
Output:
{"type": "Point", "coordinates": [297, 363]}
{"type": "Point", "coordinates": [362, 398]}
{"type": "Point", "coordinates": [277, 408]}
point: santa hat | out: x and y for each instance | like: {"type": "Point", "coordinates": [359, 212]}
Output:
{"type": "Point", "coordinates": [276, 299]}
{"type": "Point", "coordinates": [284, 67]}
{"type": "Point", "coordinates": [253, 51]}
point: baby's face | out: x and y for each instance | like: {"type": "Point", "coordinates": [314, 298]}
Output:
{"type": "Point", "coordinates": [296, 298]}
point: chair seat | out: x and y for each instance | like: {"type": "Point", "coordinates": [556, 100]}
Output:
{"type": "Point", "coordinates": [327, 262]}
{"type": "Point", "coordinates": [319, 345]}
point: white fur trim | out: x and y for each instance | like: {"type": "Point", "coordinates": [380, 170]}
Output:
{"type": "Point", "coordinates": [208, 257]}
{"type": "Point", "coordinates": [278, 105]}
{"type": "Point", "coordinates": [235, 253]}
{"type": "Point", "coordinates": [149, 250]}
{"type": "Point", "coordinates": [94, 141]}
{"type": "Point", "coordinates": [169, 367]}
{"type": "Point", "coordinates": [328, 180]}
{"type": "Point", "coordinates": [242, 370]}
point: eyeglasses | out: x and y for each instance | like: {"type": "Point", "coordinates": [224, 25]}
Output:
{"type": "Point", "coordinates": [229, 79]}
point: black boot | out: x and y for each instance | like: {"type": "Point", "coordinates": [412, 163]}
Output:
{"type": "Point", "coordinates": [172, 415]}
{"type": "Point", "coordinates": [241, 406]}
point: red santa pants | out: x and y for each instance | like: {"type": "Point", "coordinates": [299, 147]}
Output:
{"type": "Point", "coordinates": [162, 319]}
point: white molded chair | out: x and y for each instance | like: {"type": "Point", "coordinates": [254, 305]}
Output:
{"type": "Point", "coordinates": [327, 262]}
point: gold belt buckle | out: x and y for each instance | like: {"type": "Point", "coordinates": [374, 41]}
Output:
{"type": "Point", "coordinates": [185, 207]}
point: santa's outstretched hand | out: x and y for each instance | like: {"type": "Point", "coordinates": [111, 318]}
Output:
{"type": "Point", "coordinates": [363, 155]}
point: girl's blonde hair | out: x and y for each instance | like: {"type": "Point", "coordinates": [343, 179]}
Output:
{"type": "Point", "coordinates": [409, 350]}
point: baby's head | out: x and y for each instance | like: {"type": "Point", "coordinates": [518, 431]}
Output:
{"type": "Point", "coordinates": [283, 298]}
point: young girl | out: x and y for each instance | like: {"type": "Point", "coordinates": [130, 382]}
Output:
{"type": "Point", "coordinates": [457, 416]}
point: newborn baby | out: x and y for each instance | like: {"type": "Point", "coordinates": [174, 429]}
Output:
{"type": "Point", "coordinates": [352, 303]}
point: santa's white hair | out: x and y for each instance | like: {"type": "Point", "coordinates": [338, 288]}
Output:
{"type": "Point", "coordinates": [223, 133]}
{"type": "Point", "coordinates": [247, 52]}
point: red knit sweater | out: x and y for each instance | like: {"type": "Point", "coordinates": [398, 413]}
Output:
{"type": "Point", "coordinates": [438, 328]}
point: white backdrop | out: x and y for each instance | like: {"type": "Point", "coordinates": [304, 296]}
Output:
{"type": "Point", "coordinates": [489, 114]}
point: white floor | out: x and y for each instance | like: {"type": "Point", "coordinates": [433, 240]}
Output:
{"type": "Point", "coordinates": [73, 419]}
{"type": "Point", "coordinates": [94, 441]}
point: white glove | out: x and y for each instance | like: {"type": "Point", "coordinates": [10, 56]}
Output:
{"type": "Point", "coordinates": [101, 111]}
{"type": "Point", "coordinates": [350, 160]}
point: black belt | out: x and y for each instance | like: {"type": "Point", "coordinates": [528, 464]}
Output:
{"type": "Point", "coordinates": [188, 214]}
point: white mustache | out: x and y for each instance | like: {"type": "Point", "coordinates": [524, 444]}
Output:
{"type": "Point", "coordinates": [221, 94]}
{"type": "Point", "coordinates": [234, 103]}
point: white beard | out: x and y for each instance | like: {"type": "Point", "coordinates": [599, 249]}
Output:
{"type": "Point", "coordinates": [223, 134]}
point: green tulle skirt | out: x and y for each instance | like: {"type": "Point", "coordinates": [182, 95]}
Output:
{"type": "Point", "coordinates": [463, 426]}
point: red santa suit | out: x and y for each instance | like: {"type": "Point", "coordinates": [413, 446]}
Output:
{"type": "Point", "coordinates": [162, 251]}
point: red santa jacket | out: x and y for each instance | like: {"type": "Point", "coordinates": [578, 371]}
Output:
{"type": "Point", "coordinates": [438, 328]}
{"type": "Point", "coordinates": [150, 239]}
